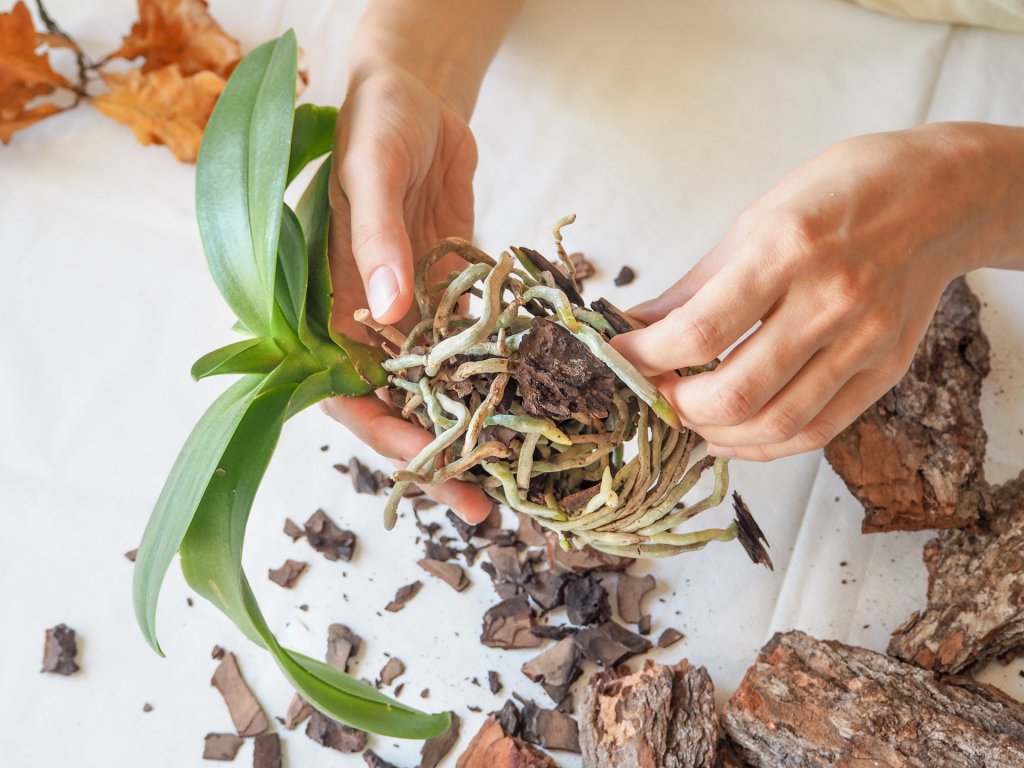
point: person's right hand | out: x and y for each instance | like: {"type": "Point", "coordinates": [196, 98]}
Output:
{"type": "Point", "coordinates": [403, 179]}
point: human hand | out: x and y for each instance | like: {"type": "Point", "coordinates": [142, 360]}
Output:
{"type": "Point", "coordinates": [840, 267]}
{"type": "Point", "coordinates": [403, 179]}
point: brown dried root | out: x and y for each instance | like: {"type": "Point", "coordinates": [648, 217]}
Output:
{"type": "Point", "coordinates": [544, 429]}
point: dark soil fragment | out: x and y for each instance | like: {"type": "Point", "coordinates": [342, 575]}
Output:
{"type": "Point", "coordinates": [403, 595]}
{"type": "Point", "coordinates": [147, 707]}
{"type": "Point", "coordinates": [554, 631]}
{"type": "Point", "coordinates": [492, 748]}
{"type": "Point", "coordinates": [507, 625]}
{"type": "Point", "coordinates": [807, 702]}
{"type": "Point", "coordinates": [363, 478]}
{"type": "Point", "coordinates": [373, 760]}
{"type": "Point", "coordinates": [560, 278]}
{"type": "Point", "coordinates": [287, 574]}
{"type": "Point", "coordinates": [510, 718]}
{"type": "Point", "coordinates": [434, 550]}
{"type": "Point", "coordinates": [292, 529]}
{"type": "Point", "coordinates": [556, 669]}
{"type": "Point", "coordinates": [450, 573]}
{"type": "Point", "coordinates": [267, 751]}
{"type": "Point", "coordinates": [493, 681]}
{"type": "Point", "coordinates": [750, 534]}
{"type": "Point", "coordinates": [659, 717]}
{"type": "Point", "coordinates": [915, 458]}
{"type": "Point", "coordinates": [547, 589]}
{"type": "Point", "coordinates": [391, 670]}
{"type": "Point", "coordinates": [464, 529]}
{"type": "Point", "coordinates": [669, 637]}
{"type": "Point", "coordinates": [629, 592]}
{"type": "Point", "coordinates": [586, 601]}
{"type": "Point", "coordinates": [330, 733]}
{"type": "Point", "coordinates": [217, 653]}
{"type": "Point", "coordinates": [558, 376]}
{"type": "Point", "coordinates": [130, 554]}
{"type": "Point", "coordinates": [221, 746]}
{"type": "Point", "coordinates": [436, 749]}
{"type": "Point", "coordinates": [59, 651]}
{"type": "Point", "coordinates": [245, 710]}
{"type": "Point", "coordinates": [975, 606]}
{"type": "Point", "coordinates": [328, 539]}
{"type": "Point", "coordinates": [610, 644]}
{"type": "Point", "coordinates": [644, 625]}
{"type": "Point", "coordinates": [342, 646]}
{"type": "Point", "coordinates": [298, 710]}
{"type": "Point", "coordinates": [625, 277]}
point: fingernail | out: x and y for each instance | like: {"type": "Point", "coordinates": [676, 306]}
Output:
{"type": "Point", "coordinates": [382, 291]}
{"type": "Point", "coordinates": [721, 452]}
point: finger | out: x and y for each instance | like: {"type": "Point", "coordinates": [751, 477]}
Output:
{"type": "Point", "coordinates": [373, 421]}
{"type": "Point", "coordinates": [374, 186]}
{"type": "Point", "coordinates": [750, 376]}
{"type": "Point", "coordinates": [852, 399]}
{"type": "Point", "coordinates": [717, 315]}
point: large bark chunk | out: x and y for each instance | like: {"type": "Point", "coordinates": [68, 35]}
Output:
{"type": "Point", "coordinates": [245, 710]}
{"type": "Point", "coordinates": [809, 703]}
{"type": "Point", "coordinates": [659, 717]}
{"type": "Point", "coordinates": [558, 376]}
{"type": "Point", "coordinates": [975, 592]}
{"type": "Point", "coordinates": [914, 459]}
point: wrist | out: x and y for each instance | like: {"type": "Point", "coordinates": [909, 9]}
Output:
{"type": "Point", "coordinates": [447, 45]}
{"type": "Point", "coordinates": [988, 163]}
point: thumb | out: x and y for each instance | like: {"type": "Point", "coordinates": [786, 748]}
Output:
{"type": "Point", "coordinates": [380, 242]}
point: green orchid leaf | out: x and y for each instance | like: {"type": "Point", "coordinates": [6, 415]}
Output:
{"type": "Point", "coordinates": [312, 136]}
{"type": "Point", "coordinates": [241, 176]}
{"type": "Point", "coordinates": [292, 271]}
{"type": "Point", "coordinates": [246, 356]}
{"type": "Point", "coordinates": [314, 215]}
{"type": "Point", "coordinates": [182, 494]}
{"type": "Point", "coordinates": [211, 558]}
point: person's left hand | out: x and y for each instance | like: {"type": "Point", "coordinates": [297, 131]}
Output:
{"type": "Point", "coordinates": [840, 267]}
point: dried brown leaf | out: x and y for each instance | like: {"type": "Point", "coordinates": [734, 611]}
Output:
{"type": "Point", "coordinates": [163, 107]}
{"type": "Point", "coordinates": [180, 32]}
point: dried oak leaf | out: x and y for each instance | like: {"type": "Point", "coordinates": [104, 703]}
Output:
{"type": "Point", "coordinates": [163, 107]}
{"type": "Point", "coordinates": [180, 32]}
{"type": "Point", "coordinates": [24, 73]}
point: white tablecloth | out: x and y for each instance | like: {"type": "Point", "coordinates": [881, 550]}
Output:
{"type": "Point", "coordinates": [655, 124]}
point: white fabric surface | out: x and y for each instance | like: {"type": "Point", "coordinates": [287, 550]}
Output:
{"type": "Point", "coordinates": [656, 125]}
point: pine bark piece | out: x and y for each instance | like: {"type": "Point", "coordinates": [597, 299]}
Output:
{"type": "Point", "coordinates": [403, 595]}
{"type": "Point", "coordinates": [298, 711]}
{"type": "Point", "coordinates": [507, 625]}
{"type": "Point", "coordinates": [221, 746]}
{"type": "Point", "coordinates": [556, 669]}
{"type": "Point", "coordinates": [330, 733]}
{"type": "Point", "coordinates": [915, 458]}
{"type": "Point", "coordinates": [610, 644]}
{"type": "Point", "coordinates": [59, 651]}
{"type": "Point", "coordinates": [288, 573]}
{"type": "Point", "coordinates": [817, 704]}
{"type": "Point", "coordinates": [267, 751]}
{"type": "Point", "coordinates": [450, 573]}
{"type": "Point", "coordinates": [630, 591]}
{"type": "Point", "coordinates": [659, 717]}
{"type": "Point", "coordinates": [436, 749]}
{"type": "Point", "coordinates": [491, 748]}
{"type": "Point", "coordinates": [328, 539]}
{"type": "Point", "coordinates": [342, 646]}
{"type": "Point", "coordinates": [391, 670]}
{"type": "Point", "coordinates": [975, 592]}
{"type": "Point", "coordinates": [245, 710]}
